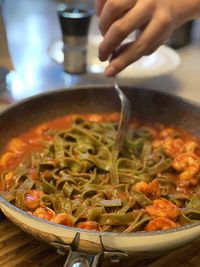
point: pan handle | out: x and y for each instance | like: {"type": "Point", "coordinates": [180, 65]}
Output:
{"type": "Point", "coordinates": [76, 259]}
{"type": "Point", "coordinates": [79, 259]}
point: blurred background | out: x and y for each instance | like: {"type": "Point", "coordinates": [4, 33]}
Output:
{"type": "Point", "coordinates": [32, 28]}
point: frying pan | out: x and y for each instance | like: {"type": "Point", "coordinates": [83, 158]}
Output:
{"type": "Point", "coordinates": [90, 248]}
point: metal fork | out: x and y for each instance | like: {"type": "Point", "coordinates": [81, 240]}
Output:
{"type": "Point", "coordinates": [124, 120]}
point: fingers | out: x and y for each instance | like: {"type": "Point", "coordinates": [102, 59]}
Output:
{"type": "Point", "coordinates": [113, 10]}
{"type": "Point", "coordinates": [121, 28]}
{"type": "Point", "coordinates": [99, 6]}
{"type": "Point", "coordinates": [149, 40]}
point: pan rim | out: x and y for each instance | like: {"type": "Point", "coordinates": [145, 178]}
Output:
{"type": "Point", "coordinates": [98, 233]}
{"type": "Point", "coordinates": [99, 87]}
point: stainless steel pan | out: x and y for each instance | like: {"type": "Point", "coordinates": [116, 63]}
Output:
{"type": "Point", "coordinates": [89, 248]}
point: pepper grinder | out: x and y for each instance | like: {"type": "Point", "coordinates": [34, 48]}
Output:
{"type": "Point", "coordinates": [74, 22]}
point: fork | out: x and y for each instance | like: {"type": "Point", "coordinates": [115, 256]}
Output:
{"type": "Point", "coordinates": [124, 120]}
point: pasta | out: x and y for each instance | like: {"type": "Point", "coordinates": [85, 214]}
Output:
{"type": "Point", "coordinates": [63, 171]}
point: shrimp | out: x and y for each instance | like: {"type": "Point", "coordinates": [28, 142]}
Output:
{"type": "Point", "coordinates": [32, 199]}
{"type": "Point", "coordinates": [7, 159]}
{"type": "Point", "coordinates": [44, 213]}
{"type": "Point", "coordinates": [89, 225]}
{"type": "Point", "coordinates": [168, 133]}
{"type": "Point", "coordinates": [190, 146]}
{"type": "Point", "coordinates": [64, 219]}
{"type": "Point", "coordinates": [173, 147]}
{"type": "Point", "coordinates": [163, 208]}
{"type": "Point", "coordinates": [151, 190]}
{"type": "Point", "coordinates": [157, 143]}
{"type": "Point", "coordinates": [188, 164]}
{"type": "Point", "coordinates": [95, 118]}
{"type": "Point", "coordinates": [165, 134]}
{"type": "Point", "coordinates": [42, 129]}
{"type": "Point", "coordinates": [16, 145]}
{"type": "Point", "coordinates": [8, 179]}
{"type": "Point", "coordinates": [160, 223]}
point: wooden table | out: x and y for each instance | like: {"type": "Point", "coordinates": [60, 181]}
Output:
{"type": "Point", "coordinates": [18, 249]}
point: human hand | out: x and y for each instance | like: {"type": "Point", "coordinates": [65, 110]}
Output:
{"type": "Point", "coordinates": [156, 19]}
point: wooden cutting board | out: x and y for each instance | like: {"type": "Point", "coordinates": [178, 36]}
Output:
{"type": "Point", "coordinates": [18, 249]}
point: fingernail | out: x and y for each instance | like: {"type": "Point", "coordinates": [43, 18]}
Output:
{"type": "Point", "coordinates": [109, 71]}
{"type": "Point", "coordinates": [102, 55]}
